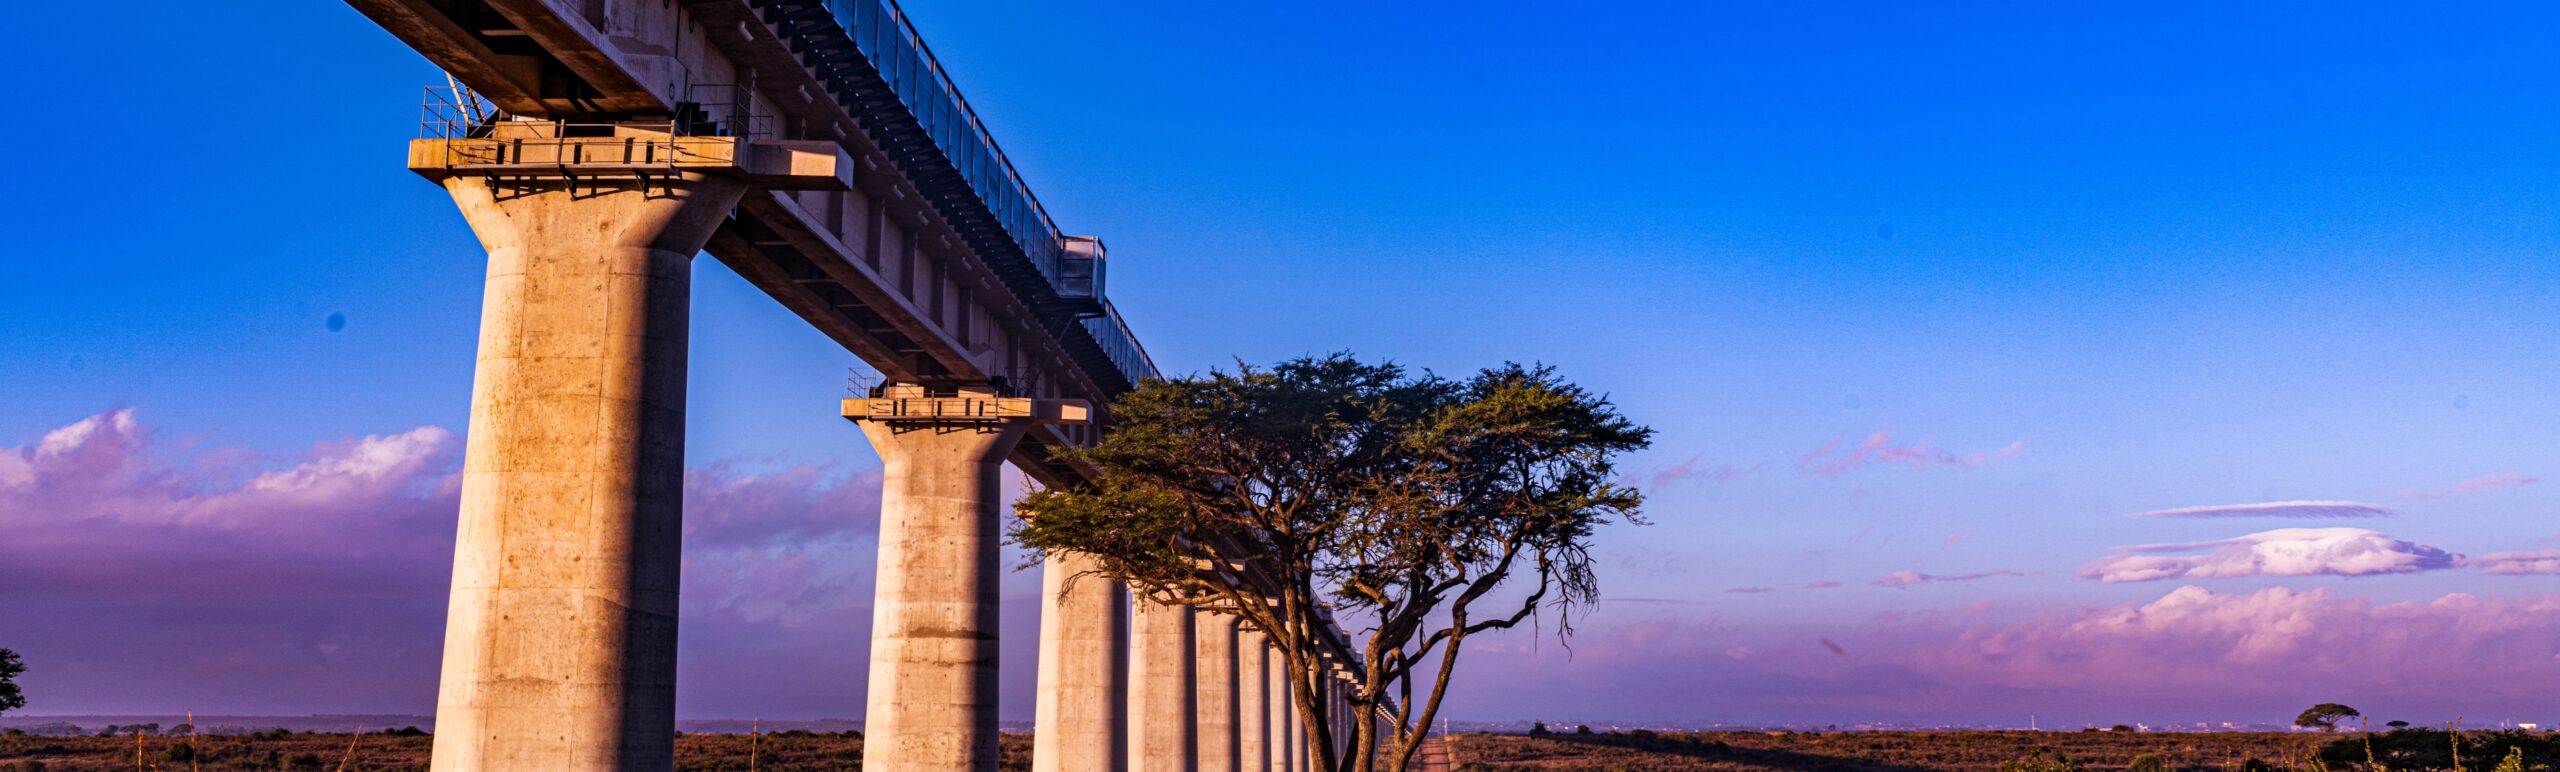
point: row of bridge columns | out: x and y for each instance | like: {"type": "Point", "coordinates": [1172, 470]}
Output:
{"type": "Point", "coordinates": [1202, 691]}
{"type": "Point", "coordinates": [561, 629]}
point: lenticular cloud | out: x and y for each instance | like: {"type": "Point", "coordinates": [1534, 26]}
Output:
{"type": "Point", "coordinates": [2518, 563]}
{"type": "Point", "coordinates": [2281, 552]}
{"type": "Point", "coordinates": [2298, 510]}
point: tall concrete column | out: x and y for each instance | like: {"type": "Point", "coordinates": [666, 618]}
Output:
{"type": "Point", "coordinates": [560, 632]}
{"type": "Point", "coordinates": [1161, 681]}
{"type": "Point", "coordinates": [1281, 710]}
{"type": "Point", "coordinates": [1214, 702]}
{"type": "Point", "coordinates": [1298, 736]}
{"type": "Point", "coordinates": [932, 704]}
{"type": "Point", "coordinates": [1080, 719]}
{"type": "Point", "coordinates": [1253, 702]}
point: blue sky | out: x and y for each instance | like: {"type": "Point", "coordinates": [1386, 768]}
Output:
{"type": "Point", "coordinates": [2135, 258]}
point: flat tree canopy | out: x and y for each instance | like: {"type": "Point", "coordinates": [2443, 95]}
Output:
{"type": "Point", "coordinates": [1281, 495]}
{"type": "Point", "coordinates": [2324, 716]}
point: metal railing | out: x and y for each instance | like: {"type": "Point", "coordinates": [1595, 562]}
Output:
{"type": "Point", "coordinates": [959, 408]}
{"type": "Point", "coordinates": [1069, 295]}
{"type": "Point", "coordinates": [880, 30]}
{"type": "Point", "coordinates": [1120, 345]}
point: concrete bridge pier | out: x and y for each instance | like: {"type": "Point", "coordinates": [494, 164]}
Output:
{"type": "Point", "coordinates": [1253, 704]}
{"type": "Point", "coordinates": [932, 706]}
{"type": "Point", "coordinates": [1162, 680]}
{"type": "Point", "coordinates": [560, 632]}
{"type": "Point", "coordinates": [1081, 712]}
{"type": "Point", "coordinates": [1215, 701]}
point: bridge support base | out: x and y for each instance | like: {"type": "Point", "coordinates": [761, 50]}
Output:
{"type": "Point", "coordinates": [1253, 704]}
{"type": "Point", "coordinates": [1081, 713]}
{"type": "Point", "coordinates": [1216, 696]}
{"type": "Point", "coordinates": [1161, 680]}
{"type": "Point", "coordinates": [561, 632]}
{"type": "Point", "coordinates": [932, 705]}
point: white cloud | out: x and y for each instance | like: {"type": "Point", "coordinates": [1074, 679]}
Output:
{"type": "Point", "coordinates": [2281, 552]}
{"type": "Point", "coordinates": [2300, 510]}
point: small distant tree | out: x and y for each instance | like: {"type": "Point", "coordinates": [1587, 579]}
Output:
{"type": "Point", "coordinates": [1538, 728]}
{"type": "Point", "coordinates": [10, 667]}
{"type": "Point", "coordinates": [2126, 728]}
{"type": "Point", "coordinates": [2324, 716]}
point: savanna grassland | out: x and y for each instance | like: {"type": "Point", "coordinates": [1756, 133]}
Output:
{"type": "Point", "coordinates": [780, 751]}
{"type": "Point", "coordinates": [2409, 751]}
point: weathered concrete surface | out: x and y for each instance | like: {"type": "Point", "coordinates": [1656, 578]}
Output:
{"type": "Point", "coordinates": [1080, 717]}
{"type": "Point", "coordinates": [561, 630]}
{"type": "Point", "coordinates": [1253, 702]}
{"type": "Point", "coordinates": [1214, 701]}
{"type": "Point", "coordinates": [1276, 696]}
{"type": "Point", "coordinates": [1161, 683]}
{"type": "Point", "coordinates": [932, 704]}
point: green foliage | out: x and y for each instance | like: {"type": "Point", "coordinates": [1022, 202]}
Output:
{"type": "Point", "coordinates": [2037, 762]}
{"type": "Point", "coordinates": [2424, 748]}
{"type": "Point", "coordinates": [10, 668]}
{"type": "Point", "coordinates": [2324, 716]}
{"type": "Point", "coordinates": [1271, 494]}
{"type": "Point", "coordinates": [2514, 762]}
{"type": "Point", "coordinates": [2148, 762]}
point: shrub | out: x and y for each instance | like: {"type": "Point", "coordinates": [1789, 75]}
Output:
{"type": "Point", "coordinates": [1538, 729]}
{"type": "Point", "coordinates": [2036, 762]}
{"type": "Point", "coordinates": [1582, 729]}
{"type": "Point", "coordinates": [2148, 762]}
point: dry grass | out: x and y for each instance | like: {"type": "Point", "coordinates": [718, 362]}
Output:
{"type": "Point", "coordinates": [1870, 751]}
{"type": "Point", "coordinates": [789, 751]}
{"type": "Point", "coordinates": [781, 752]}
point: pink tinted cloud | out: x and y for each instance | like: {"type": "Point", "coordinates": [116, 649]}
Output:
{"type": "Point", "coordinates": [2506, 479]}
{"type": "Point", "coordinates": [1690, 470]}
{"type": "Point", "coordinates": [2517, 563]}
{"type": "Point", "coordinates": [2267, 642]}
{"type": "Point", "coordinates": [138, 577]}
{"type": "Point", "coordinates": [2187, 654]}
{"type": "Point", "coordinates": [2301, 510]}
{"type": "Point", "coordinates": [1821, 584]}
{"type": "Point", "coordinates": [1900, 579]}
{"type": "Point", "coordinates": [1831, 460]}
{"type": "Point", "coordinates": [2280, 552]}
{"type": "Point", "coordinates": [1754, 590]}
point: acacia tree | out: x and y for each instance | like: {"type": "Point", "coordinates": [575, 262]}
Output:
{"type": "Point", "coordinates": [1278, 495]}
{"type": "Point", "coordinates": [10, 667]}
{"type": "Point", "coordinates": [2324, 716]}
